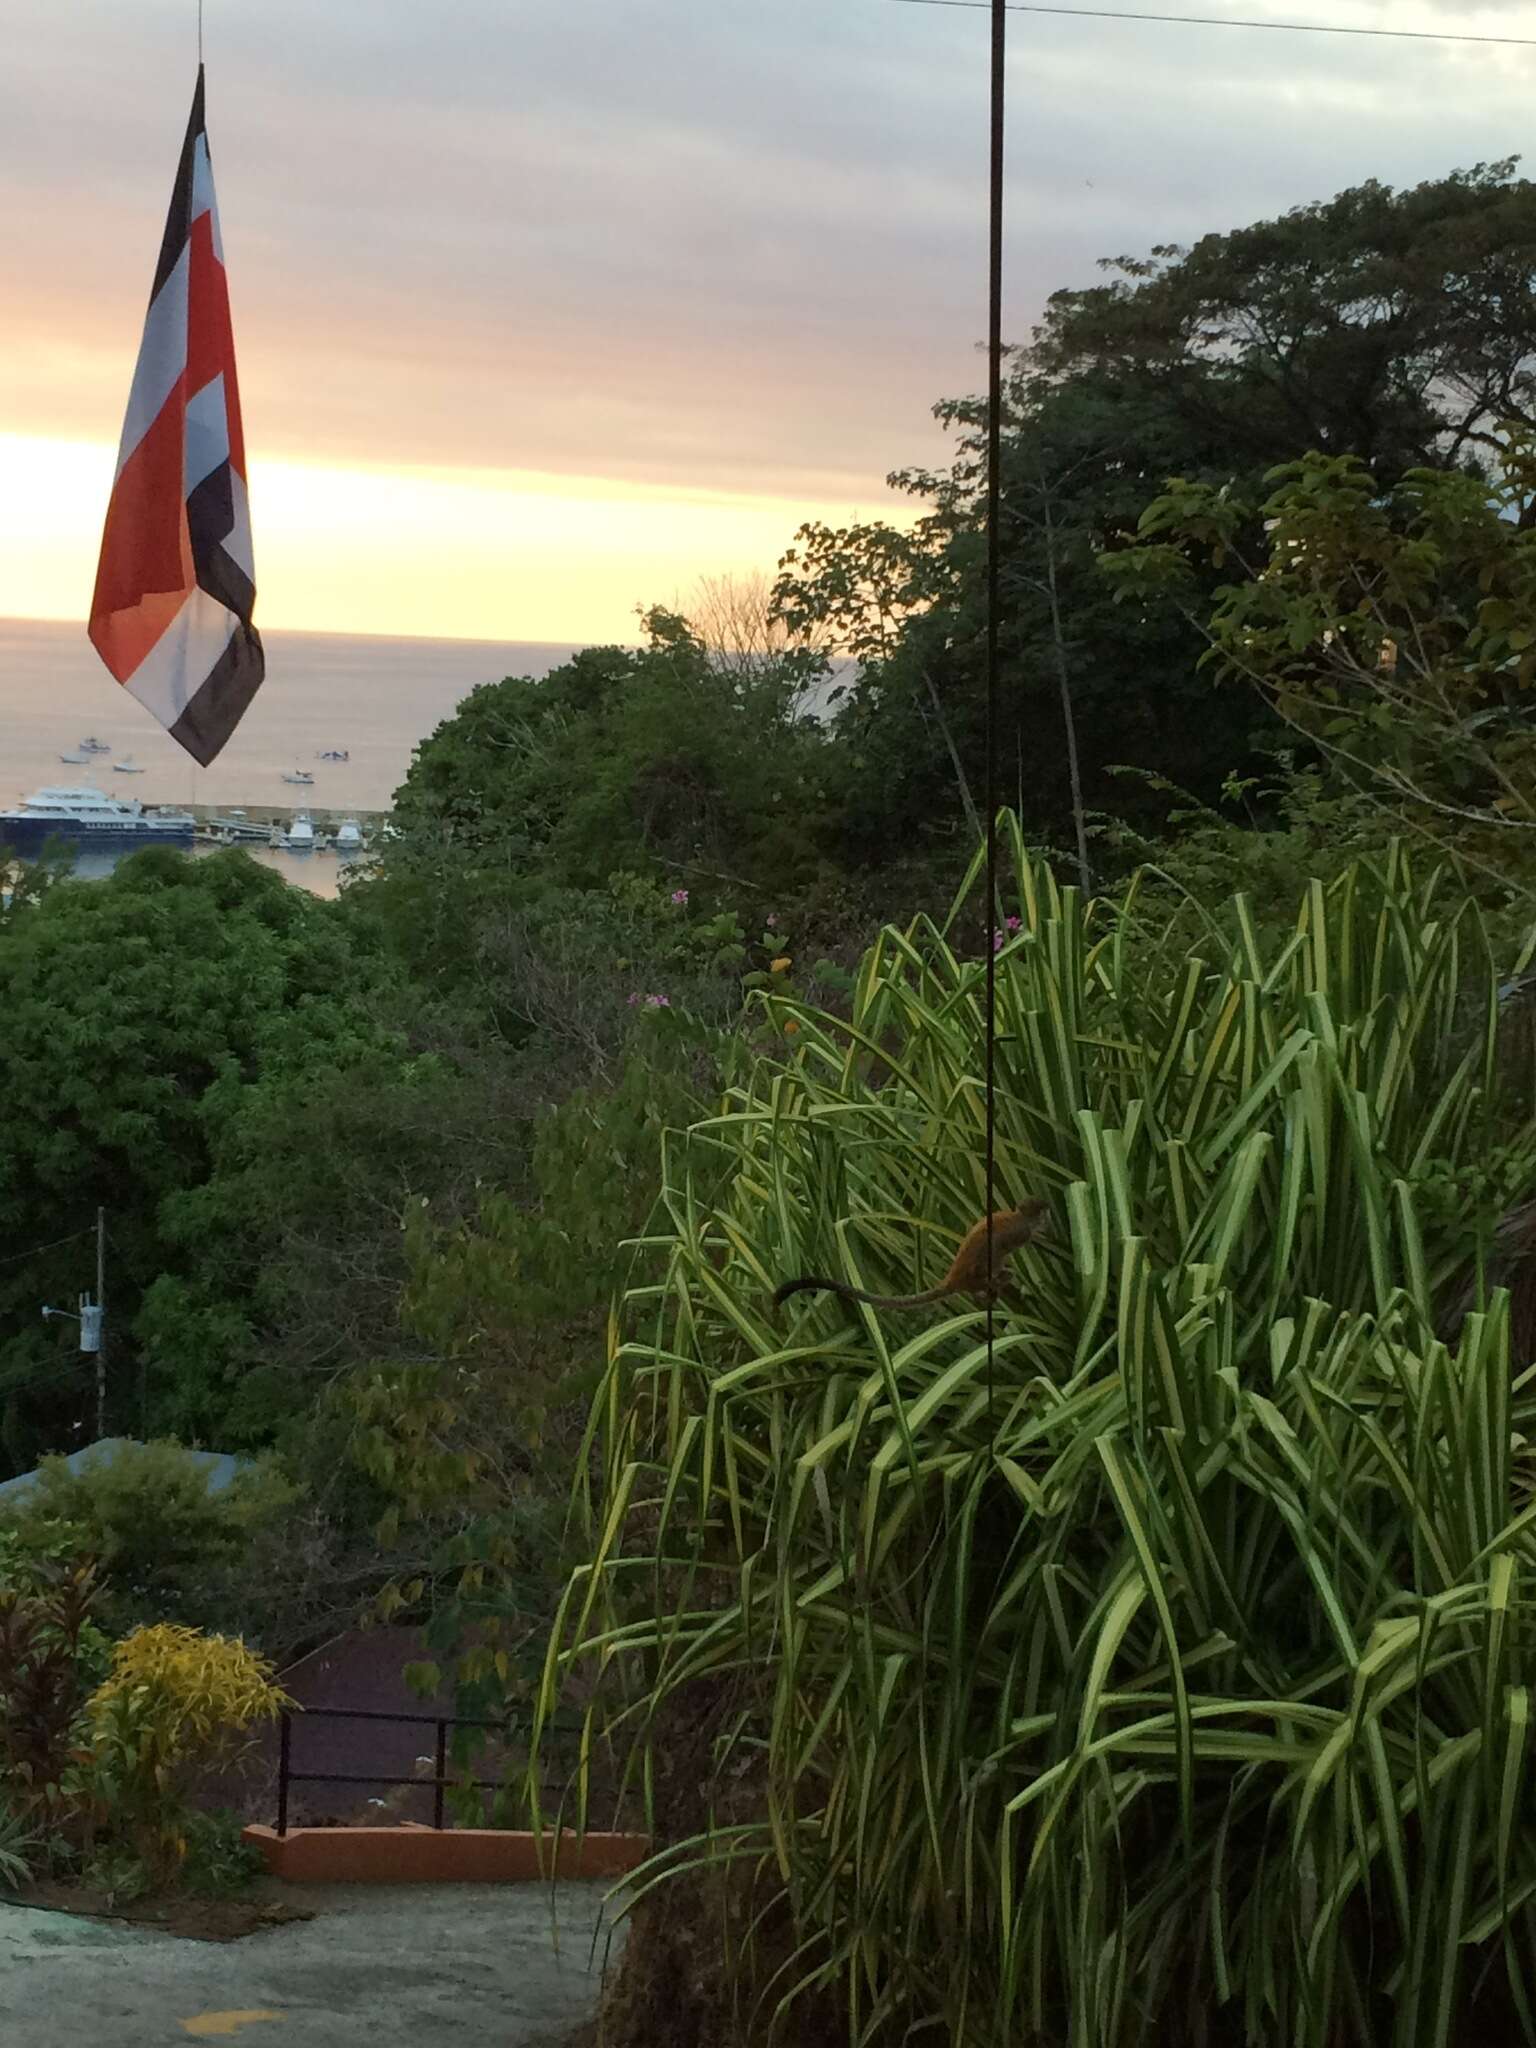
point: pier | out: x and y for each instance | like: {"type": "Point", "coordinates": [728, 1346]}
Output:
{"type": "Point", "coordinates": [259, 821]}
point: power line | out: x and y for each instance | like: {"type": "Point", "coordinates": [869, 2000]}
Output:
{"type": "Point", "coordinates": [15, 1258]}
{"type": "Point", "coordinates": [50, 1371]}
{"type": "Point", "coordinates": [1290, 28]}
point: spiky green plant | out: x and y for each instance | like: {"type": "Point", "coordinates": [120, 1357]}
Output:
{"type": "Point", "coordinates": [1168, 1678]}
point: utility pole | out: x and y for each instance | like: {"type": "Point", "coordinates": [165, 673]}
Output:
{"type": "Point", "coordinates": [101, 1304]}
{"type": "Point", "coordinates": [90, 1319]}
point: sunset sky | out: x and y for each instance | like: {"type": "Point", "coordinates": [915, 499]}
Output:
{"type": "Point", "coordinates": [544, 312]}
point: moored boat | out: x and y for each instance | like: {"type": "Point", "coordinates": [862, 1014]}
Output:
{"type": "Point", "coordinates": [82, 816]}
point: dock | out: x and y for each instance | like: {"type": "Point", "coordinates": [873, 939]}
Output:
{"type": "Point", "coordinates": [217, 822]}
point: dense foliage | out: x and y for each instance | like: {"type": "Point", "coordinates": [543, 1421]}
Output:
{"type": "Point", "coordinates": [1396, 327]}
{"type": "Point", "coordinates": [134, 1008]}
{"type": "Point", "coordinates": [1174, 1663]}
{"type": "Point", "coordinates": [164, 1544]}
{"type": "Point", "coordinates": [1392, 629]}
{"type": "Point", "coordinates": [1164, 1667]}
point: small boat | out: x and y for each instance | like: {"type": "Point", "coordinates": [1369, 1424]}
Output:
{"type": "Point", "coordinates": [127, 766]}
{"type": "Point", "coordinates": [74, 760]}
{"type": "Point", "coordinates": [91, 745]}
{"type": "Point", "coordinates": [301, 834]}
{"type": "Point", "coordinates": [334, 754]}
{"type": "Point", "coordinates": [349, 836]}
{"type": "Point", "coordinates": [300, 775]}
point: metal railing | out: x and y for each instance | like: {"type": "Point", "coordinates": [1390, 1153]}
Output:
{"type": "Point", "coordinates": [440, 1780]}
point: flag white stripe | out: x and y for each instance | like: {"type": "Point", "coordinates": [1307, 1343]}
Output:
{"type": "Point", "coordinates": [238, 544]}
{"type": "Point", "coordinates": [203, 200]}
{"type": "Point", "coordinates": [207, 433]}
{"type": "Point", "coordinates": [162, 358]}
{"type": "Point", "coordinates": [182, 659]}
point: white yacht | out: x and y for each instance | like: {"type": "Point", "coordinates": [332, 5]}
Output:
{"type": "Point", "coordinates": [349, 836]}
{"type": "Point", "coordinates": [301, 834]}
{"type": "Point", "coordinates": [87, 817]}
{"type": "Point", "coordinates": [301, 775]}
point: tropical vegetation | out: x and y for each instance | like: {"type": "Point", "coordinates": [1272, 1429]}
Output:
{"type": "Point", "coordinates": [1157, 1660]}
{"type": "Point", "coordinates": [1152, 1662]}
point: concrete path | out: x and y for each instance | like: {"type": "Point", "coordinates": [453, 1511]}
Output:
{"type": "Point", "coordinates": [468, 1966]}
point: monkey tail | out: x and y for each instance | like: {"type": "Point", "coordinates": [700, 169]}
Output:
{"type": "Point", "coordinates": [814, 1284]}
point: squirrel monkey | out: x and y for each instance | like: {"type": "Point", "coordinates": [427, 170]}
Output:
{"type": "Point", "coordinates": [1009, 1229]}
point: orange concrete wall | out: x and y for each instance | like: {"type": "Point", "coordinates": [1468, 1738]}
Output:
{"type": "Point", "coordinates": [418, 1855]}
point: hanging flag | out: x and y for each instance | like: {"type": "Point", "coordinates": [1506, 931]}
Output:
{"type": "Point", "coordinates": [175, 586]}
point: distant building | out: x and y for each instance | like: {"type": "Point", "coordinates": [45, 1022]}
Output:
{"type": "Point", "coordinates": [219, 1465]}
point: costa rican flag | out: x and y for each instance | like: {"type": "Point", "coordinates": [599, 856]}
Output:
{"type": "Point", "coordinates": [175, 586]}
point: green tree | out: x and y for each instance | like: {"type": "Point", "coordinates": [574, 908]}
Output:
{"type": "Point", "coordinates": [131, 1007]}
{"type": "Point", "coordinates": [1397, 326]}
{"type": "Point", "coordinates": [167, 1546]}
{"type": "Point", "coordinates": [1391, 626]}
{"type": "Point", "coordinates": [655, 761]}
{"type": "Point", "coordinates": [474, 1442]}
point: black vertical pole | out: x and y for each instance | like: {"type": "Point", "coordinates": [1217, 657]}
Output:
{"type": "Point", "coordinates": [284, 1745]}
{"type": "Point", "coordinates": [440, 1774]}
{"type": "Point", "coordinates": [994, 622]}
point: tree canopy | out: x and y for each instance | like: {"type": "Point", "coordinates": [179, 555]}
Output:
{"type": "Point", "coordinates": [1399, 327]}
{"type": "Point", "coordinates": [133, 1006]}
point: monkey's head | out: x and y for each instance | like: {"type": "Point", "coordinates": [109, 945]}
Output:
{"type": "Point", "coordinates": [1029, 1219]}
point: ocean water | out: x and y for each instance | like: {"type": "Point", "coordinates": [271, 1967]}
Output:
{"type": "Point", "coordinates": [375, 698]}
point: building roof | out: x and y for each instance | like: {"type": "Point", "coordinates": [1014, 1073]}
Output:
{"type": "Point", "coordinates": [220, 1466]}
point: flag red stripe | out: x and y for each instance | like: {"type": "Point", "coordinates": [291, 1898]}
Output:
{"type": "Point", "coordinates": [145, 569]}
{"type": "Point", "coordinates": [210, 338]}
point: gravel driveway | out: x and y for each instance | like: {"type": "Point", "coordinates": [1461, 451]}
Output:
{"type": "Point", "coordinates": [470, 1966]}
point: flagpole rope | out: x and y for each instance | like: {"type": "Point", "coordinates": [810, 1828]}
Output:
{"type": "Point", "coordinates": [994, 603]}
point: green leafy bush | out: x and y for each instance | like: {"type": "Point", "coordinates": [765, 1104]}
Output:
{"type": "Point", "coordinates": [1164, 1672]}
{"type": "Point", "coordinates": [20, 1849]}
{"type": "Point", "coordinates": [218, 1862]}
{"type": "Point", "coordinates": [168, 1548]}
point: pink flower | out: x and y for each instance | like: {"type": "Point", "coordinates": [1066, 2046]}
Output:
{"type": "Point", "coordinates": [658, 1002]}
{"type": "Point", "coordinates": [1015, 923]}
{"type": "Point", "coordinates": [679, 895]}
{"type": "Point", "coordinates": [634, 997]}
{"type": "Point", "coordinates": [999, 940]}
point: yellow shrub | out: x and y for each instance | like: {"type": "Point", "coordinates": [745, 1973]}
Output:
{"type": "Point", "coordinates": [193, 1688]}
{"type": "Point", "coordinates": [172, 1698]}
